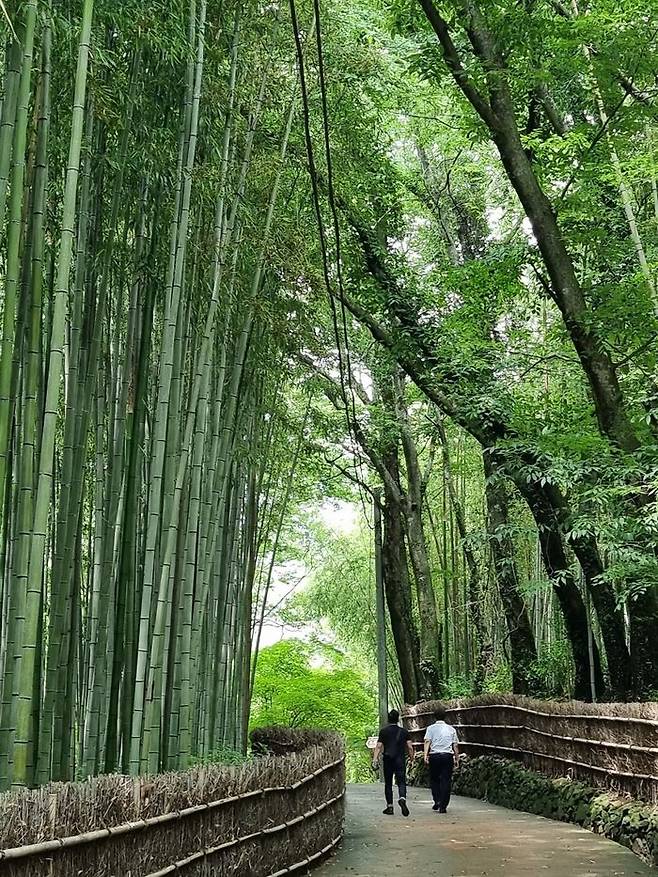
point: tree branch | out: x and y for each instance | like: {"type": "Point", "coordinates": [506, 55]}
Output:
{"type": "Point", "coordinates": [332, 392]}
{"type": "Point", "coordinates": [552, 112]}
{"type": "Point", "coordinates": [351, 477]}
{"type": "Point", "coordinates": [454, 63]}
{"type": "Point", "coordinates": [320, 370]}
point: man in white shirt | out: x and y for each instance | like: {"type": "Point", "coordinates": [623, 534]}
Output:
{"type": "Point", "coordinates": [441, 748]}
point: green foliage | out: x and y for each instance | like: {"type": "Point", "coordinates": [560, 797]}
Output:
{"type": "Point", "coordinates": [341, 591]}
{"type": "Point", "coordinates": [468, 297]}
{"type": "Point", "coordinates": [309, 685]}
{"type": "Point", "coordinates": [222, 755]}
{"type": "Point", "coordinates": [432, 242]}
{"type": "Point", "coordinates": [553, 670]}
{"type": "Point", "coordinates": [456, 686]}
{"type": "Point", "coordinates": [500, 679]}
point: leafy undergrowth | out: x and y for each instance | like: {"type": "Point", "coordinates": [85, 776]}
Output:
{"type": "Point", "coordinates": [624, 820]}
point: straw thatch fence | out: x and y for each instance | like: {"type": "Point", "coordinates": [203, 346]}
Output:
{"type": "Point", "coordinates": [272, 816]}
{"type": "Point", "coordinates": [613, 746]}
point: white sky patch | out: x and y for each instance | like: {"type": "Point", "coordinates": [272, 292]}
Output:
{"type": "Point", "coordinates": [364, 377]}
{"type": "Point", "coordinates": [340, 516]}
{"type": "Point", "coordinates": [494, 221]}
{"type": "Point", "coordinates": [274, 630]}
{"type": "Point", "coordinates": [342, 519]}
{"type": "Point", "coordinates": [330, 364]}
{"type": "Point", "coordinates": [317, 662]}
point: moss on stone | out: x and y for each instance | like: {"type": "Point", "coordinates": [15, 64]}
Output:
{"type": "Point", "coordinates": [631, 823]}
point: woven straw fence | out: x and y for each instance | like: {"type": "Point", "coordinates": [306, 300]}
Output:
{"type": "Point", "coordinates": [614, 746]}
{"type": "Point", "coordinates": [275, 815]}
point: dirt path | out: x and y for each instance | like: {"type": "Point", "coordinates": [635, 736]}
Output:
{"type": "Point", "coordinates": [472, 840]}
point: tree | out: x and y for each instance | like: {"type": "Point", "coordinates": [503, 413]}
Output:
{"type": "Point", "coordinates": [308, 685]}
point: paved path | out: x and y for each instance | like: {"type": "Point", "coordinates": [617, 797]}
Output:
{"type": "Point", "coordinates": [472, 840]}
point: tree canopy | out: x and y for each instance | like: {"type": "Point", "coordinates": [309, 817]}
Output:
{"type": "Point", "coordinates": [308, 685]}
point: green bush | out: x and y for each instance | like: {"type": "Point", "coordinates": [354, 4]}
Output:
{"type": "Point", "coordinates": [222, 756]}
{"type": "Point", "coordinates": [553, 671]}
{"type": "Point", "coordinates": [457, 686]}
{"type": "Point", "coordinates": [500, 679]}
{"type": "Point", "coordinates": [312, 685]}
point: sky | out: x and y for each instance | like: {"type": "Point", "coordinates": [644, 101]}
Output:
{"type": "Point", "coordinates": [342, 519]}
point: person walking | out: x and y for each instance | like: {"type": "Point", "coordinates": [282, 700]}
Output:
{"type": "Point", "coordinates": [393, 745]}
{"type": "Point", "coordinates": [441, 750]}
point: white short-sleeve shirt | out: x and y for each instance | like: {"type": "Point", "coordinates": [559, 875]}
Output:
{"type": "Point", "coordinates": [441, 736]}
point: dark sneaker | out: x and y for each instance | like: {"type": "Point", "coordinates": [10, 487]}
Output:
{"type": "Point", "coordinates": [403, 806]}
{"type": "Point", "coordinates": [442, 810]}
{"type": "Point", "coordinates": [435, 806]}
{"type": "Point", "coordinates": [388, 812]}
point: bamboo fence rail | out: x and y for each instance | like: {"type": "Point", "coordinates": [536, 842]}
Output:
{"type": "Point", "coordinates": [614, 746]}
{"type": "Point", "coordinates": [260, 831]}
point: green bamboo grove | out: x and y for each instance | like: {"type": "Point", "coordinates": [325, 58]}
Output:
{"type": "Point", "coordinates": [138, 415]}
{"type": "Point", "coordinates": [254, 256]}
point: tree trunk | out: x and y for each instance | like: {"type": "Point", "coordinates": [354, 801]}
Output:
{"type": "Point", "coordinates": [498, 114]}
{"type": "Point", "coordinates": [398, 592]}
{"type": "Point", "coordinates": [412, 506]}
{"type": "Point", "coordinates": [483, 645]}
{"type": "Point", "coordinates": [521, 638]}
{"type": "Point", "coordinates": [566, 590]}
{"type": "Point", "coordinates": [643, 611]}
{"type": "Point", "coordinates": [610, 617]}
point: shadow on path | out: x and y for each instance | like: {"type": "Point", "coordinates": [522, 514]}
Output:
{"type": "Point", "coordinates": [473, 839]}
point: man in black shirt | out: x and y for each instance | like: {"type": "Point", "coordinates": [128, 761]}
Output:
{"type": "Point", "coordinates": [393, 745]}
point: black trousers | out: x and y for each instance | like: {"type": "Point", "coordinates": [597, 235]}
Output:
{"type": "Point", "coordinates": [441, 765]}
{"type": "Point", "coordinates": [394, 767]}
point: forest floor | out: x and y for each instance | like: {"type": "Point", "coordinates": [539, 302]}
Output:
{"type": "Point", "coordinates": [473, 839]}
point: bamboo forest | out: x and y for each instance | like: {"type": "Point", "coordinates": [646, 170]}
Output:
{"type": "Point", "coordinates": [306, 304]}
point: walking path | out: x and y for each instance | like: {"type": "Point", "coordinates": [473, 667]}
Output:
{"type": "Point", "coordinates": [472, 840]}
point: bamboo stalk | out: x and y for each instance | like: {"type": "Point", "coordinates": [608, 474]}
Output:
{"type": "Point", "coordinates": [10, 332]}
{"type": "Point", "coordinates": [137, 752]}
{"type": "Point", "coordinates": [27, 694]}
